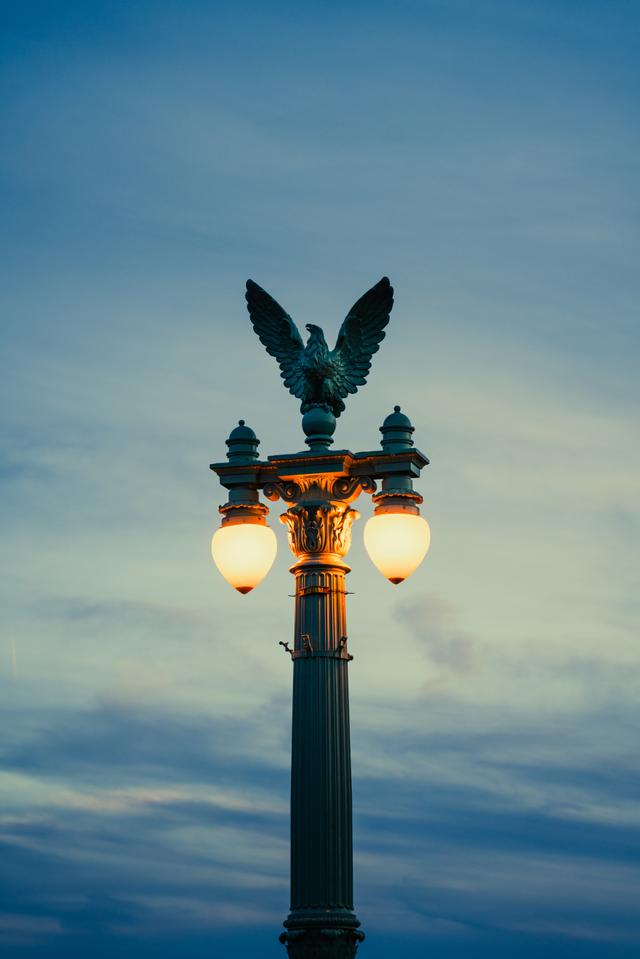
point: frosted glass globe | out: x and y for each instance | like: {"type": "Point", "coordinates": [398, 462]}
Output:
{"type": "Point", "coordinates": [397, 543]}
{"type": "Point", "coordinates": [244, 553]}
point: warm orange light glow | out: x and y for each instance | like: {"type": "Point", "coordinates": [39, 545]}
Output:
{"type": "Point", "coordinates": [244, 553]}
{"type": "Point", "coordinates": [397, 543]}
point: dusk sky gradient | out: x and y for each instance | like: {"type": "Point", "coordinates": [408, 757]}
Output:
{"type": "Point", "coordinates": [484, 156]}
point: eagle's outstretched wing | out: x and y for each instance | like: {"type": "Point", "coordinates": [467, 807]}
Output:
{"type": "Point", "coordinates": [360, 336]}
{"type": "Point", "coordinates": [279, 334]}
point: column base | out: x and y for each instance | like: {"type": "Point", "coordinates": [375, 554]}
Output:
{"type": "Point", "coordinates": [322, 935]}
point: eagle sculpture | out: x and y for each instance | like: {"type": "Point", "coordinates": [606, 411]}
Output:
{"type": "Point", "coordinates": [315, 374]}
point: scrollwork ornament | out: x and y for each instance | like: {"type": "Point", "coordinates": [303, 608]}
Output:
{"type": "Point", "coordinates": [287, 491]}
{"type": "Point", "coordinates": [343, 489]}
{"type": "Point", "coordinates": [348, 487]}
{"type": "Point", "coordinates": [368, 484]}
{"type": "Point", "coordinates": [345, 486]}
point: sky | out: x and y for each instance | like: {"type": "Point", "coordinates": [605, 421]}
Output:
{"type": "Point", "coordinates": [154, 156]}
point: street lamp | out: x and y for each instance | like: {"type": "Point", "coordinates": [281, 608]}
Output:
{"type": "Point", "coordinates": [244, 547]}
{"type": "Point", "coordinates": [397, 537]}
{"type": "Point", "coordinates": [317, 487]}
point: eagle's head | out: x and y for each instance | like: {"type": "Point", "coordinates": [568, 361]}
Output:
{"type": "Point", "coordinates": [316, 351]}
{"type": "Point", "coordinates": [316, 337]}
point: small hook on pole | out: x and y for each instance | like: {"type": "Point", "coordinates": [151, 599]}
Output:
{"type": "Point", "coordinates": [341, 649]}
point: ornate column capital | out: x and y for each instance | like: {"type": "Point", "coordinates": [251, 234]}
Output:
{"type": "Point", "coordinates": [319, 531]}
{"type": "Point", "coordinates": [319, 517]}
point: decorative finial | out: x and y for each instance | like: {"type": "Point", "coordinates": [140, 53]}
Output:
{"type": "Point", "coordinates": [396, 432]}
{"type": "Point", "coordinates": [242, 443]}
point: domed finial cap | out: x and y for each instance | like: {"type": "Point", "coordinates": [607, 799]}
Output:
{"type": "Point", "coordinates": [242, 443]}
{"type": "Point", "coordinates": [396, 432]}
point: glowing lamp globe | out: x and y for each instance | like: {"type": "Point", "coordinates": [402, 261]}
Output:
{"type": "Point", "coordinates": [397, 542]}
{"type": "Point", "coordinates": [244, 553]}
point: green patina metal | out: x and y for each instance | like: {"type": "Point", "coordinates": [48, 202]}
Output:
{"type": "Point", "coordinates": [318, 488]}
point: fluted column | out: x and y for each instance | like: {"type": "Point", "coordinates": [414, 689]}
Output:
{"type": "Point", "coordinates": [322, 922]}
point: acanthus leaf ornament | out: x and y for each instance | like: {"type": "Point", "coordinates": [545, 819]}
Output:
{"type": "Point", "coordinates": [319, 528]}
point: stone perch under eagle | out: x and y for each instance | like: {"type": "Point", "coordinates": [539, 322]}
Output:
{"type": "Point", "coordinates": [318, 376]}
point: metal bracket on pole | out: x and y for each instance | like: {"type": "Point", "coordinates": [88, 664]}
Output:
{"type": "Point", "coordinates": [341, 650]}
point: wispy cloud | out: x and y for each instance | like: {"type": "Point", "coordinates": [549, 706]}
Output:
{"type": "Point", "coordinates": [483, 157]}
{"type": "Point", "coordinates": [432, 621]}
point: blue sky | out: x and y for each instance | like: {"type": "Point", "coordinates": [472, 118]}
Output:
{"type": "Point", "coordinates": [483, 155]}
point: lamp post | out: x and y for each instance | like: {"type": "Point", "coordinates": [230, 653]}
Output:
{"type": "Point", "coordinates": [318, 488]}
